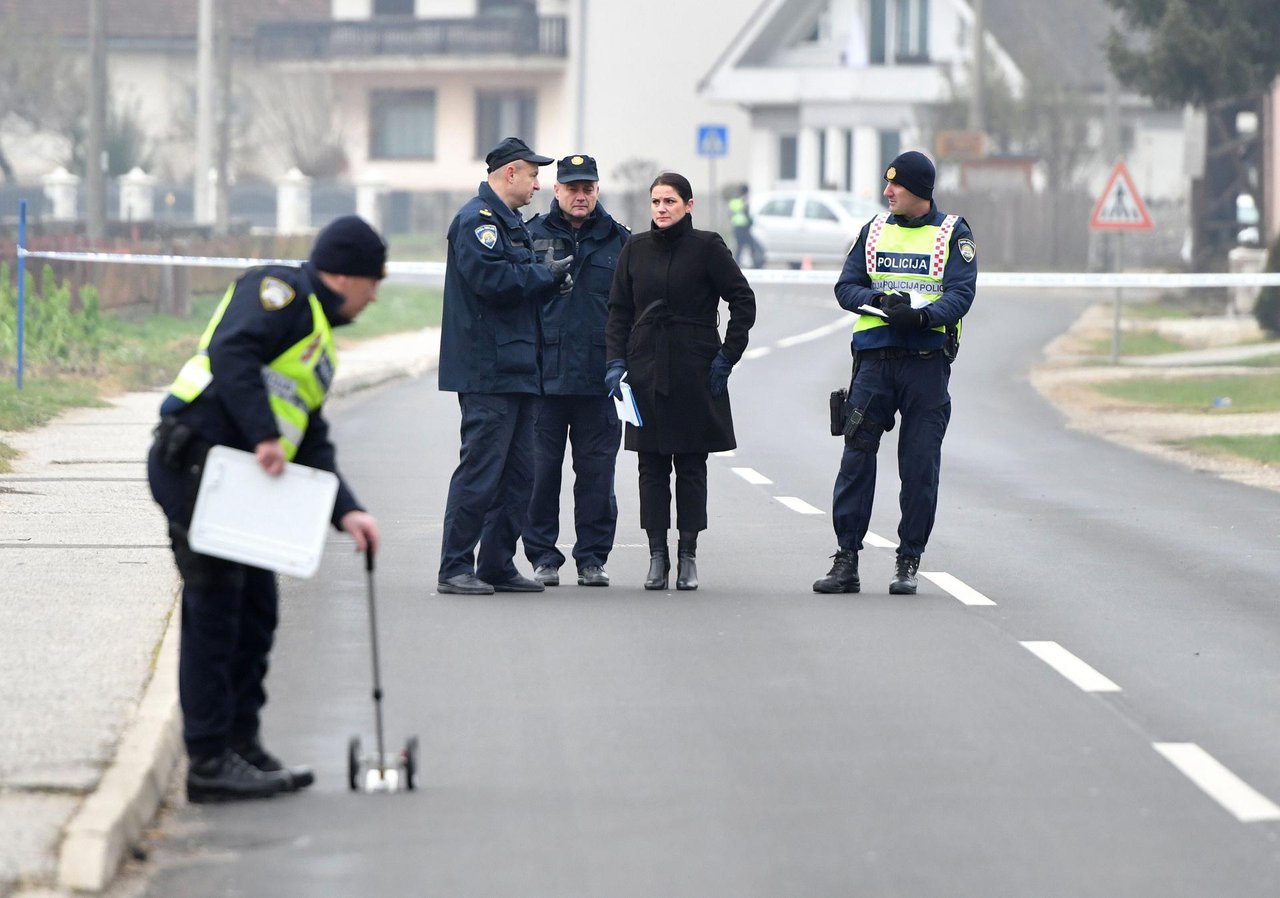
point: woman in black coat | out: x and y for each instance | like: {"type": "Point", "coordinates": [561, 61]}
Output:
{"type": "Point", "coordinates": [662, 331]}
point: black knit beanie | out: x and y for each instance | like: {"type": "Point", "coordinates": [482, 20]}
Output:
{"type": "Point", "coordinates": [914, 171]}
{"type": "Point", "coordinates": [348, 245]}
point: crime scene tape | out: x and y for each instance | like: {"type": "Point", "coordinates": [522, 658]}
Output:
{"type": "Point", "coordinates": [433, 273]}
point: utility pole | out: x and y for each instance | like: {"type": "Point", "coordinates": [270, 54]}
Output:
{"type": "Point", "coordinates": [222, 54]}
{"type": "Point", "coordinates": [204, 212]}
{"type": "Point", "coordinates": [977, 106]}
{"type": "Point", "coordinates": [96, 201]}
{"type": "Point", "coordinates": [579, 129]}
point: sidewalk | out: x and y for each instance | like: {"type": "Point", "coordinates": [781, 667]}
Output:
{"type": "Point", "coordinates": [89, 698]}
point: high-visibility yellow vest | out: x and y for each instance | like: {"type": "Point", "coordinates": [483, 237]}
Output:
{"type": "Point", "coordinates": [907, 260]}
{"type": "Point", "coordinates": [297, 380]}
{"type": "Point", "coordinates": [739, 217]}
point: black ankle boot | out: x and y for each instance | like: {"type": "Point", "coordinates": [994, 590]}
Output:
{"type": "Point", "coordinates": [687, 572]}
{"type": "Point", "coordinates": [659, 564]}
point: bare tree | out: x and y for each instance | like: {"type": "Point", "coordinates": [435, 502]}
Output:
{"type": "Point", "coordinates": [41, 85]}
{"type": "Point", "coordinates": [297, 115]}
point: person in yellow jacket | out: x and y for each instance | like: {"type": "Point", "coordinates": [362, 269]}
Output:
{"type": "Point", "coordinates": [911, 277]}
{"type": "Point", "coordinates": [257, 382]}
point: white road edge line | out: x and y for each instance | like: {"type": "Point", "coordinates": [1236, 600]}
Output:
{"type": "Point", "coordinates": [876, 541]}
{"type": "Point", "coordinates": [1239, 798]}
{"type": "Point", "coordinates": [818, 332]}
{"type": "Point", "coordinates": [1070, 666]}
{"type": "Point", "coordinates": [798, 505]}
{"type": "Point", "coordinates": [958, 589]}
{"type": "Point", "coordinates": [751, 475]}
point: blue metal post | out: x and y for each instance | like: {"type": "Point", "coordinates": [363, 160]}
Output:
{"type": "Point", "coordinates": [22, 282]}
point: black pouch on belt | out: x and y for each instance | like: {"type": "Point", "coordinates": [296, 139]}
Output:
{"type": "Point", "coordinates": [839, 410]}
{"type": "Point", "coordinates": [173, 439]}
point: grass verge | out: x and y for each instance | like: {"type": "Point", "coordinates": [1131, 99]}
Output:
{"type": "Point", "coordinates": [1137, 343]}
{"type": "Point", "coordinates": [1241, 393]}
{"type": "Point", "coordinates": [1264, 448]}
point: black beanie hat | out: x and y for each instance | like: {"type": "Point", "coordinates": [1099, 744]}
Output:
{"type": "Point", "coordinates": [348, 245]}
{"type": "Point", "coordinates": [914, 171]}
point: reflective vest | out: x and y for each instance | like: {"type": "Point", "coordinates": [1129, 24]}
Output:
{"type": "Point", "coordinates": [909, 260]}
{"type": "Point", "coordinates": [739, 217]}
{"type": "Point", "coordinates": [297, 380]}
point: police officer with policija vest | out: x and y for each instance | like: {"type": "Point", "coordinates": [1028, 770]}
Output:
{"type": "Point", "coordinates": [257, 382]}
{"type": "Point", "coordinates": [915, 268]}
{"type": "Point", "coordinates": [489, 355]}
{"type": "Point", "coordinates": [574, 405]}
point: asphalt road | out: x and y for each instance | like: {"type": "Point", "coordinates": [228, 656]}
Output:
{"type": "Point", "coordinates": [756, 739]}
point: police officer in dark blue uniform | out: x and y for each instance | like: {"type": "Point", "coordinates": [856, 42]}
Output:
{"type": "Point", "coordinates": [494, 287]}
{"type": "Point", "coordinates": [915, 270]}
{"type": "Point", "coordinates": [257, 382]}
{"type": "Point", "coordinates": [575, 406]}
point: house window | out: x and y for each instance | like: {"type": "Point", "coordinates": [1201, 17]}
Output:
{"type": "Point", "coordinates": [788, 157]}
{"type": "Point", "coordinates": [502, 114]}
{"type": "Point", "coordinates": [899, 31]}
{"type": "Point", "coordinates": [393, 7]}
{"type": "Point", "coordinates": [402, 124]}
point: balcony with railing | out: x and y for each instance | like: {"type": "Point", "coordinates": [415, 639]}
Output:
{"type": "Point", "coordinates": [334, 41]}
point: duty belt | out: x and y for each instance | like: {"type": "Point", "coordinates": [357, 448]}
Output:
{"type": "Point", "coordinates": [895, 352]}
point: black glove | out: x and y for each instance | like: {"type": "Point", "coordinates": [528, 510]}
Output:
{"type": "Point", "coordinates": [613, 377]}
{"type": "Point", "coordinates": [893, 299]}
{"type": "Point", "coordinates": [718, 379]}
{"type": "Point", "coordinates": [559, 269]}
{"type": "Point", "coordinates": [905, 318]}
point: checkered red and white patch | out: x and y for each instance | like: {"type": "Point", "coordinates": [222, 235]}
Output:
{"type": "Point", "coordinates": [940, 245]}
{"type": "Point", "coordinates": [873, 237]}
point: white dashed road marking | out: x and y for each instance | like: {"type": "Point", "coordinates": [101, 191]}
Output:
{"type": "Point", "coordinates": [958, 589]}
{"type": "Point", "coordinates": [751, 475]}
{"type": "Point", "coordinates": [1071, 667]}
{"type": "Point", "coordinates": [798, 505]}
{"type": "Point", "coordinates": [876, 541]}
{"type": "Point", "coordinates": [818, 332]}
{"type": "Point", "coordinates": [1239, 798]}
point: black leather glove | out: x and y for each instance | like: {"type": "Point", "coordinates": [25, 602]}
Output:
{"type": "Point", "coordinates": [718, 379]}
{"type": "Point", "coordinates": [905, 318]}
{"type": "Point", "coordinates": [893, 299]}
{"type": "Point", "coordinates": [613, 377]}
{"type": "Point", "coordinates": [559, 269]}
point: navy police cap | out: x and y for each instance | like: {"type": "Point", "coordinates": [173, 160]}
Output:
{"type": "Point", "coordinates": [576, 168]}
{"type": "Point", "coordinates": [513, 149]}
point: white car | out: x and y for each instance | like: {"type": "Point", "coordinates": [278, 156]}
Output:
{"type": "Point", "coordinates": [818, 225]}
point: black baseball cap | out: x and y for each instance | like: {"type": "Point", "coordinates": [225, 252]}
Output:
{"type": "Point", "coordinates": [513, 149]}
{"type": "Point", "coordinates": [576, 168]}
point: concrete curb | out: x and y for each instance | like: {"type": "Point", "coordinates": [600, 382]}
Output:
{"type": "Point", "coordinates": [132, 788]}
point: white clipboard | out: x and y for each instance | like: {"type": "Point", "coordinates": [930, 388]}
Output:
{"type": "Point", "coordinates": [244, 514]}
{"type": "Point", "coordinates": [626, 407]}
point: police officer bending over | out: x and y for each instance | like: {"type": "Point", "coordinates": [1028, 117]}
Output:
{"type": "Point", "coordinates": [916, 265]}
{"type": "Point", "coordinates": [493, 287]}
{"type": "Point", "coordinates": [575, 407]}
{"type": "Point", "coordinates": [257, 382]}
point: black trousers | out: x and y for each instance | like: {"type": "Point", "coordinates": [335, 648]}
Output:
{"type": "Point", "coordinates": [229, 617]}
{"type": "Point", "coordinates": [591, 427]}
{"type": "Point", "coordinates": [691, 491]}
{"type": "Point", "coordinates": [488, 500]}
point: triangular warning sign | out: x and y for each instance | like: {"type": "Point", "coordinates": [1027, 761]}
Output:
{"type": "Point", "coordinates": [1120, 207]}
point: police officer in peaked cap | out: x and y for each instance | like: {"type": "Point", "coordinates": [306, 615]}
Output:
{"type": "Point", "coordinates": [574, 407]}
{"type": "Point", "coordinates": [915, 268]}
{"type": "Point", "coordinates": [494, 290]}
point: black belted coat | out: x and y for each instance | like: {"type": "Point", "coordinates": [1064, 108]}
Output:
{"type": "Point", "coordinates": [663, 322]}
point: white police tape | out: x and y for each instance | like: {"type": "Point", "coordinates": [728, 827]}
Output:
{"type": "Point", "coordinates": [433, 272]}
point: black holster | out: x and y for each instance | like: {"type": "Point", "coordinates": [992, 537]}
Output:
{"type": "Point", "coordinates": [839, 411]}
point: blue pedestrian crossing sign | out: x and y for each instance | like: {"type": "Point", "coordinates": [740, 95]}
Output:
{"type": "Point", "coordinates": [713, 140]}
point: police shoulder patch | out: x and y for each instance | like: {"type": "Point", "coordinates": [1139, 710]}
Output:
{"type": "Point", "coordinates": [967, 250]}
{"type": "Point", "coordinates": [275, 294]}
{"type": "Point", "coordinates": [488, 235]}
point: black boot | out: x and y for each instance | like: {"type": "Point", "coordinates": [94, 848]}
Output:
{"type": "Point", "coordinates": [904, 577]}
{"type": "Point", "coordinates": [686, 555]}
{"type": "Point", "coordinates": [253, 752]}
{"type": "Point", "coordinates": [659, 562]}
{"type": "Point", "coordinates": [228, 777]}
{"type": "Point", "coordinates": [843, 576]}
